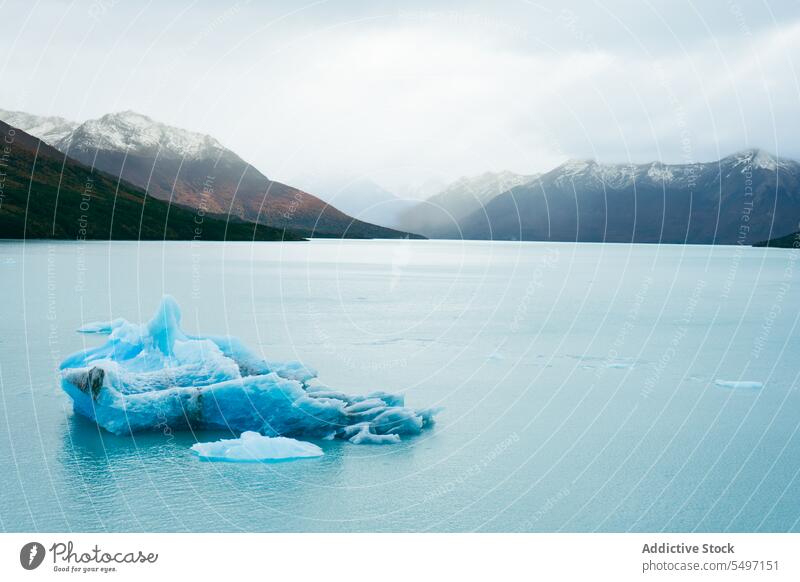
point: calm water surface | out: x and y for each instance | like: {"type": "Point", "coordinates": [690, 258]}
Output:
{"type": "Point", "coordinates": [578, 383]}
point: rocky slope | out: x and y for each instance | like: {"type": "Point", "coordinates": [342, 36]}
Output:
{"type": "Point", "coordinates": [46, 195]}
{"type": "Point", "coordinates": [196, 170]}
{"type": "Point", "coordinates": [741, 199]}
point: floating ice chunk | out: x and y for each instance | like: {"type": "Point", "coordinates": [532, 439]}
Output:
{"type": "Point", "coordinates": [153, 376]}
{"type": "Point", "coordinates": [361, 435]}
{"type": "Point", "coordinates": [253, 447]}
{"type": "Point", "coordinates": [398, 420]}
{"type": "Point", "coordinates": [739, 385]}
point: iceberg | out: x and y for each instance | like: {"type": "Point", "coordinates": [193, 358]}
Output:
{"type": "Point", "coordinates": [252, 447]}
{"type": "Point", "coordinates": [154, 376]}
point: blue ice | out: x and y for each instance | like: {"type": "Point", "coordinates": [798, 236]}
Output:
{"type": "Point", "coordinates": [154, 375]}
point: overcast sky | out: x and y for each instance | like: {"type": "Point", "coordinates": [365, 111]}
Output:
{"type": "Point", "coordinates": [408, 92]}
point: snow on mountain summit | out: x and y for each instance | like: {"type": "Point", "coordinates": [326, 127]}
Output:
{"type": "Point", "coordinates": [50, 129]}
{"type": "Point", "coordinates": [659, 172]}
{"type": "Point", "coordinates": [575, 166]}
{"type": "Point", "coordinates": [586, 171]}
{"type": "Point", "coordinates": [138, 134]}
{"type": "Point", "coordinates": [755, 159]}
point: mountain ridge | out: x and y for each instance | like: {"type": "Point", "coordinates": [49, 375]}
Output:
{"type": "Point", "coordinates": [699, 203]}
{"type": "Point", "coordinates": [47, 195]}
{"type": "Point", "coordinates": [195, 170]}
{"type": "Point", "coordinates": [48, 128]}
{"type": "Point", "coordinates": [436, 215]}
{"type": "Point", "coordinates": [579, 200]}
{"type": "Point", "coordinates": [139, 134]}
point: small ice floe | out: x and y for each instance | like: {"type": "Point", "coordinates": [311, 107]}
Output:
{"type": "Point", "coordinates": [591, 362]}
{"type": "Point", "coordinates": [496, 355]}
{"type": "Point", "coordinates": [252, 447]}
{"type": "Point", "coordinates": [585, 358]}
{"type": "Point", "coordinates": [619, 365]}
{"type": "Point", "coordinates": [739, 385]}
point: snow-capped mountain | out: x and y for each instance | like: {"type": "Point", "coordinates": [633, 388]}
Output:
{"type": "Point", "coordinates": [49, 129]}
{"type": "Point", "coordinates": [44, 197]}
{"type": "Point", "coordinates": [440, 213]}
{"type": "Point", "coordinates": [624, 175]}
{"type": "Point", "coordinates": [747, 197]}
{"type": "Point", "coordinates": [585, 173]}
{"type": "Point", "coordinates": [140, 135]}
{"type": "Point", "coordinates": [757, 159]}
{"type": "Point", "coordinates": [590, 174]}
{"type": "Point", "coordinates": [195, 170]}
{"type": "Point", "coordinates": [741, 199]}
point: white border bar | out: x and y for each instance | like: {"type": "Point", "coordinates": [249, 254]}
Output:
{"type": "Point", "coordinates": [410, 557]}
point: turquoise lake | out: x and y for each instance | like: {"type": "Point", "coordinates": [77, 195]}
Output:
{"type": "Point", "coordinates": [586, 387]}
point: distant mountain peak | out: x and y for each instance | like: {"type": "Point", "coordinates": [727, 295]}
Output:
{"type": "Point", "coordinates": [49, 128]}
{"type": "Point", "coordinates": [487, 184]}
{"type": "Point", "coordinates": [128, 113]}
{"type": "Point", "coordinates": [586, 172]}
{"type": "Point", "coordinates": [702, 203]}
{"type": "Point", "coordinates": [460, 198]}
{"type": "Point", "coordinates": [137, 133]}
{"type": "Point", "coordinates": [755, 159]}
{"type": "Point", "coordinates": [576, 166]}
{"type": "Point", "coordinates": [590, 171]}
